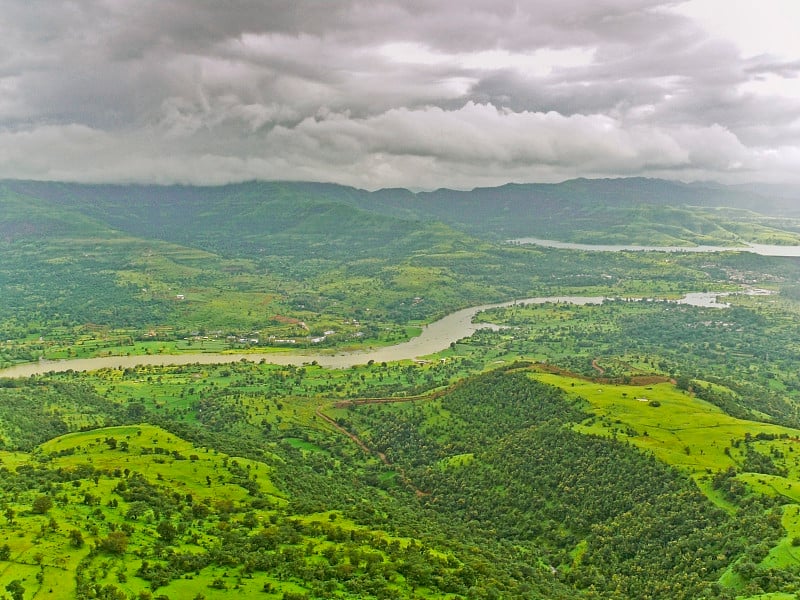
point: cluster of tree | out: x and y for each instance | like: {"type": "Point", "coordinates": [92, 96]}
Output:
{"type": "Point", "coordinates": [610, 518]}
{"type": "Point", "coordinates": [33, 411]}
{"type": "Point", "coordinates": [749, 350]}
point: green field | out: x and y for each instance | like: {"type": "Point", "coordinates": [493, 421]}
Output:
{"type": "Point", "coordinates": [133, 510]}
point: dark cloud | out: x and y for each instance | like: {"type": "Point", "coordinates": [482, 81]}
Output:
{"type": "Point", "coordinates": [385, 93]}
{"type": "Point", "coordinates": [767, 65]}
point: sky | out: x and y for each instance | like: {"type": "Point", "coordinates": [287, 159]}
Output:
{"type": "Point", "coordinates": [420, 94]}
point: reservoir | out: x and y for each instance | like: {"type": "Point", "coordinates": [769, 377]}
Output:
{"type": "Point", "coordinates": [761, 249]}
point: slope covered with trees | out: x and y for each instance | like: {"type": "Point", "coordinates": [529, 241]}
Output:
{"type": "Point", "coordinates": [497, 455]}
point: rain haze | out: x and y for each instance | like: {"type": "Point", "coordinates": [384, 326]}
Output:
{"type": "Point", "coordinates": [411, 94]}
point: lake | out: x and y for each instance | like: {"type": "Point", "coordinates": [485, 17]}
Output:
{"type": "Point", "coordinates": [762, 249]}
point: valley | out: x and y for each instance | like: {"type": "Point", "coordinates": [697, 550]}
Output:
{"type": "Point", "coordinates": [454, 417]}
{"type": "Point", "coordinates": [433, 338]}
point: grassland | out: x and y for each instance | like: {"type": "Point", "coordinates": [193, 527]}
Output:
{"type": "Point", "coordinates": [134, 510]}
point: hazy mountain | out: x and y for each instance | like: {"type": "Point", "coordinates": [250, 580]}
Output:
{"type": "Point", "coordinates": [626, 210]}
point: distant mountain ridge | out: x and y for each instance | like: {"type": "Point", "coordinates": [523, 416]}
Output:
{"type": "Point", "coordinates": [626, 210]}
{"type": "Point", "coordinates": [592, 199]}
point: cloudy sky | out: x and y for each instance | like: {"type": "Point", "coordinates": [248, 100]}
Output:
{"type": "Point", "coordinates": [410, 93]}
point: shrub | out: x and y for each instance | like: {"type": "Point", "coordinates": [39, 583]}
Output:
{"type": "Point", "coordinates": [42, 504]}
{"type": "Point", "coordinates": [115, 543]}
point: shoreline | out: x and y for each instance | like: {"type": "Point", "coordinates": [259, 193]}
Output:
{"type": "Point", "coordinates": [435, 337]}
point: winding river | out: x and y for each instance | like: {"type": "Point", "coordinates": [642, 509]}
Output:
{"type": "Point", "coordinates": [434, 337]}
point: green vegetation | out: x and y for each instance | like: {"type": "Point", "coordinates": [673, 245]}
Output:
{"type": "Point", "coordinates": [628, 449]}
{"type": "Point", "coordinates": [135, 510]}
{"type": "Point", "coordinates": [740, 359]}
{"type": "Point", "coordinates": [95, 270]}
{"type": "Point", "coordinates": [546, 474]}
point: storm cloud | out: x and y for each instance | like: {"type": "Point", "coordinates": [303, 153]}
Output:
{"type": "Point", "coordinates": [378, 93]}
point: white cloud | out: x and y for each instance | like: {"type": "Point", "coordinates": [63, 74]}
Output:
{"type": "Point", "coordinates": [540, 62]}
{"type": "Point", "coordinates": [476, 144]}
{"type": "Point", "coordinates": [763, 27]}
{"type": "Point", "coordinates": [771, 85]}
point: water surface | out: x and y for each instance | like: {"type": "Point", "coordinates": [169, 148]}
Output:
{"type": "Point", "coordinates": [762, 249]}
{"type": "Point", "coordinates": [435, 337]}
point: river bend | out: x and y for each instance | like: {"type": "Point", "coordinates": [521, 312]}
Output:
{"type": "Point", "coordinates": [434, 337]}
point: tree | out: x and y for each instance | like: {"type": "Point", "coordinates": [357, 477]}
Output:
{"type": "Point", "coordinates": [218, 584]}
{"type": "Point", "coordinates": [167, 531]}
{"type": "Point", "coordinates": [115, 543]}
{"type": "Point", "coordinates": [76, 538]}
{"type": "Point", "coordinates": [16, 590]}
{"type": "Point", "coordinates": [683, 382]}
{"type": "Point", "coordinates": [42, 504]}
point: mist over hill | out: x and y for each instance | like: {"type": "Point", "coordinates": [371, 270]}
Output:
{"type": "Point", "coordinates": [349, 219]}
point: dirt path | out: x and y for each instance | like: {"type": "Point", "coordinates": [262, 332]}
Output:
{"type": "Point", "coordinates": [403, 477]}
{"type": "Point", "coordinates": [541, 367]}
{"type": "Point", "coordinates": [352, 436]}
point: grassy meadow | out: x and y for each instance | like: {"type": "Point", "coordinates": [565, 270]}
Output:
{"type": "Point", "coordinates": [136, 511]}
{"type": "Point", "coordinates": [93, 466]}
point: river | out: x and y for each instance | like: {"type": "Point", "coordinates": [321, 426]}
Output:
{"type": "Point", "coordinates": [434, 337]}
{"type": "Point", "coordinates": [762, 249]}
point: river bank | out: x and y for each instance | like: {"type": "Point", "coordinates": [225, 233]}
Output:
{"type": "Point", "coordinates": [435, 337]}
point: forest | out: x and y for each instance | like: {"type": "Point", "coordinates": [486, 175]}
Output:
{"type": "Point", "coordinates": [636, 446]}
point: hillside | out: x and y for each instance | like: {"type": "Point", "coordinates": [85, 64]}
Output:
{"type": "Point", "coordinates": [127, 511]}
{"type": "Point", "coordinates": [605, 440]}
{"type": "Point", "coordinates": [517, 465]}
{"type": "Point", "coordinates": [514, 482]}
{"type": "Point", "coordinates": [89, 270]}
{"type": "Point", "coordinates": [244, 218]}
{"type": "Point", "coordinates": [628, 211]}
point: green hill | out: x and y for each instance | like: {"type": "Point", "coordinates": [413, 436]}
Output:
{"type": "Point", "coordinates": [619, 450]}
{"type": "Point", "coordinates": [249, 217]}
{"type": "Point", "coordinates": [135, 511]}
{"type": "Point", "coordinates": [514, 482]}
{"type": "Point", "coordinates": [527, 464]}
{"type": "Point", "coordinates": [613, 211]}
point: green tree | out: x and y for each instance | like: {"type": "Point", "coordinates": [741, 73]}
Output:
{"type": "Point", "coordinates": [76, 538]}
{"type": "Point", "coordinates": [167, 531]}
{"type": "Point", "coordinates": [16, 590]}
{"type": "Point", "coordinates": [42, 504]}
{"type": "Point", "coordinates": [683, 382]}
{"type": "Point", "coordinates": [115, 543]}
